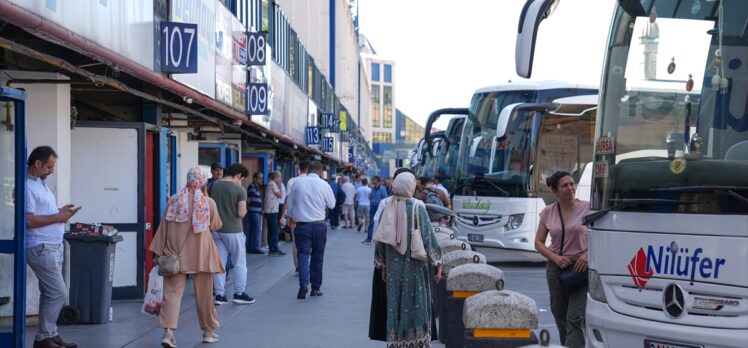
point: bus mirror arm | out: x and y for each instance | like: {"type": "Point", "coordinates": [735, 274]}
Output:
{"type": "Point", "coordinates": [534, 12]}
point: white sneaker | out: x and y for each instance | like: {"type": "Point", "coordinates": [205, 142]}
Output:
{"type": "Point", "coordinates": [210, 337]}
{"type": "Point", "coordinates": [168, 341]}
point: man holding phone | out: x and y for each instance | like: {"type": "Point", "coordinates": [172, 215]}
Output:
{"type": "Point", "coordinates": [44, 230]}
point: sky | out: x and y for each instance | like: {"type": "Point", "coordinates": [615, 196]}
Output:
{"type": "Point", "coordinates": [445, 50]}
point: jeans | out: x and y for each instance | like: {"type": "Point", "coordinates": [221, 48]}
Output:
{"type": "Point", "coordinates": [335, 216]}
{"type": "Point", "coordinates": [234, 244]}
{"type": "Point", "coordinates": [254, 230]}
{"type": "Point", "coordinates": [46, 262]}
{"type": "Point", "coordinates": [310, 241]}
{"type": "Point", "coordinates": [273, 231]}
{"type": "Point", "coordinates": [567, 308]}
{"type": "Point", "coordinates": [370, 231]}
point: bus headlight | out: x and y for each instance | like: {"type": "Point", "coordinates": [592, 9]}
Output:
{"type": "Point", "coordinates": [514, 222]}
{"type": "Point", "coordinates": [595, 287]}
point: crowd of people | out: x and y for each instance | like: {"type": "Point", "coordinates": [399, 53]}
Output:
{"type": "Point", "coordinates": [211, 224]}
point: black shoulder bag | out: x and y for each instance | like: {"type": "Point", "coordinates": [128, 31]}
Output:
{"type": "Point", "coordinates": [570, 280]}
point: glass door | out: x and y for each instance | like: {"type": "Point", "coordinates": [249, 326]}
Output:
{"type": "Point", "coordinates": [12, 216]}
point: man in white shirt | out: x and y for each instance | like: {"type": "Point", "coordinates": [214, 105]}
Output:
{"type": "Point", "coordinates": [306, 203]}
{"type": "Point", "coordinates": [303, 171]}
{"type": "Point", "coordinates": [363, 194]}
{"type": "Point", "coordinates": [350, 194]}
{"type": "Point", "coordinates": [44, 229]}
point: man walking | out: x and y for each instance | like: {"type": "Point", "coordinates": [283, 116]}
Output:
{"type": "Point", "coordinates": [378, 193]}
{"type": "Point", "coordinates": [350, 193]}
{"type": "Point", "coordinates": [44, 229]}
{"type": "Point", "coordinates": [254, 214]}
{"type": "Point", "coordinates": [308, 198]}
{"type": "Point", "coordinates": [334, 212]}
{"type": "Point", "coordinates": [303, 171]}
{"type": "Point", "coordinates": [273, 194]}
{"type": "Point", "coordinates": [231, 201]}
{"type": "Point", "coordinates": [363, 194]}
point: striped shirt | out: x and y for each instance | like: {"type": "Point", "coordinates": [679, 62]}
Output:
{"type": "Point", "coordinates": [254, 193]}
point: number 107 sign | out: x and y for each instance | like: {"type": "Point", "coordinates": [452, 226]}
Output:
{"type": "Point", "coordinates": [178, 48]}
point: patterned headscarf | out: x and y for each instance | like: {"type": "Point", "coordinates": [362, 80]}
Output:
{"type": "Point", "coordinates": [393, 225]}
{"type": "Point", "coordinates": [178, 207]}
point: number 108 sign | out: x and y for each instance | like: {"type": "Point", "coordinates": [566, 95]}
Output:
{"type": "Point", "coordinates": [178, 48]}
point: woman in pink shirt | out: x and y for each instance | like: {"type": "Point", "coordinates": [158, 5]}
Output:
{"type": "Point", "coordinates": [565, 224]}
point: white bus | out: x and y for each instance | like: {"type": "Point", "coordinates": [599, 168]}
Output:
{"type": "Point", "coordinates": [668, 237]}
{"type": "Point", "coordinates": [500, 162]}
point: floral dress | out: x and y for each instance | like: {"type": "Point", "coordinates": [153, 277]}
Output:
{"type": "Point", "coordinates": [408, 287]}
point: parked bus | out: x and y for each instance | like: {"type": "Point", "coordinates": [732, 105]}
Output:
{"type": "Point", "coordinates": [496, 196]}
{"type": "Point", "coordinates": [668, 232]}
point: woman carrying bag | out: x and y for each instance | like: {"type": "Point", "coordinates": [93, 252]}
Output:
{"type": "Point", "coordinates": [566, 270]}
{"type": "Point", "coordinates": [405, 248]}
{"type": "Point", "coordinates": [185, 246]}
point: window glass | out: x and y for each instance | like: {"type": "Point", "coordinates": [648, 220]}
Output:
{"type": "Point", "coordinates": [388, 73]}
{"type": "Point", "coordinates": [375, 71]}
{"type": "Point", "coordinates": [7, 174]}
{"type": "Point", "coordinates": [387, 96]}
{"type": "Point", "coordinates": [376, 117]}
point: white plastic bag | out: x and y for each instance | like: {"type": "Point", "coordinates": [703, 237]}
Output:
{"type": "Point", "coordinates": [155, 293]}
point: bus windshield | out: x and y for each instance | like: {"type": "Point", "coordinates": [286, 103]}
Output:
{"type": "Point", "coordinates": [673, 131]}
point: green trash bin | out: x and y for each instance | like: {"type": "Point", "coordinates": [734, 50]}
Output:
{"type": "Point", "coordinates": [91, 275]}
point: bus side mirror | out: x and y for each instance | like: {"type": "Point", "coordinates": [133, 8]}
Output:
{"type": "Point", "coordinates": [534, 12]}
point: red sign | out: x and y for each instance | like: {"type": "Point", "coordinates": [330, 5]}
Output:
{"type": "Point", "coordinates": [605, 146]}
{"type": "Point", "coordinates": [600, 169]}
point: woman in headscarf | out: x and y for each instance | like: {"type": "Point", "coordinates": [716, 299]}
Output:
{"type": "Point", "coordinates": [404, 258]}
{"type": "Point", "coordinates": [185, 231]}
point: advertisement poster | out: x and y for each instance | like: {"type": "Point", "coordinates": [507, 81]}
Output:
{"type": "Point", "coordinates": [239, 63]}
{"type": "Point", "coordinates": [224, 55]}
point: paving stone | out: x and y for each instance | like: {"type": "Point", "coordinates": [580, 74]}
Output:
{"type": "Point", "coordinates": [504, 309]}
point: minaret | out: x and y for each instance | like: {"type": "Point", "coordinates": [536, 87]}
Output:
{"type": "Point", "coordinates": [650, 35]}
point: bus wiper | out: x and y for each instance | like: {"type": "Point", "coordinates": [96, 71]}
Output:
{"type": "Point", "coordinates": [720, 190]}
{"type": "Point", "coordinates": [503, 192]}
{"type": "Point", "coordinates": [634, 202]}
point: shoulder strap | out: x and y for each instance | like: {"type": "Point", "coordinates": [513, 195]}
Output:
{"type": "Point", "coordinates": [563, 228]}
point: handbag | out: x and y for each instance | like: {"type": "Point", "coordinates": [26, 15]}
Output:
{"type": "Point", "coordinates": [417, 250]}
{"type": "Point", "coordinates": [168, 265]}
{"type": "Point", "coordinates": [569, 279]}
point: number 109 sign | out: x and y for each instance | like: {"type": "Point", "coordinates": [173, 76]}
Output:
{"type": "Point", "coordinates": [178, 48]}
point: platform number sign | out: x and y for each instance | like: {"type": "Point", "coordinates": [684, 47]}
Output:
{"type": "Point", "coordinates": [258, 99]}
{"type": "Point", "coordinates": [178, 48]}
{"type": "Point", "coordinates": [312, 135]}
{"type": "Point", "coordinates": [330, 122]}
{"type": "Point", "coordinates": [256, 53]}
{"type": "Point", "coordinates": [327, 144]}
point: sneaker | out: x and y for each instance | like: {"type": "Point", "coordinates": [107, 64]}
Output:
{"type": "Point", "coordinates": [264, 248]}
{"type": "Point", "coordinates": [168, 341]}
{"type": "Point", "coordinates": [358, 227]}
{"type": "Point", "coordinates": [243, 299]}
{"type": "Point", "coordinates": [301, 294]}
{"type": "Point", "coordinates": [255, 251]}
{"type": "Point", "coordinates": [365, 241]}
{"type": "Point", "coordinates": [210, 337]}
{"type": "Point", "coordinates": [277, 253]}
{"type": "Point", "coordinates": [220, 300]}
{"type": "Point", "coordinates": [316, 293]}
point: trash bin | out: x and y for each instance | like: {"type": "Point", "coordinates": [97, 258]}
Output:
{"type": "Point", "coordinates": [465, 281]}
{"type": "Point", "coordinates": [499, 319]}
{"type": "Point", "coordinates": [91, 275]}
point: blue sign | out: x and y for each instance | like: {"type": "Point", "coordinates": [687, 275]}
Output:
{"type": "Point", "coordinates": [327, 144]}
{"type": "Point", "coordinates": [312, 135]}
{"type": "Point", "coordinates": [351, 155]}
{"type": "Point", "coordinates": [257, 99]}
{"type": "Point", "coordinates": [178, 48]}
{"type": "Point", "coordinates": [330, 122]}
{"type": "Point", "coordinates": [256, 53]}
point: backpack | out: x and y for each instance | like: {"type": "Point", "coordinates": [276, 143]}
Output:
{"type": "Point", "coordinates": [432, 197]}
{"type": "Point", "coordinates": [340, 197]}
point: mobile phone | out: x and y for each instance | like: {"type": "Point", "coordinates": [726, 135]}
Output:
{"type": "Point", "coordinates": [75, 210]}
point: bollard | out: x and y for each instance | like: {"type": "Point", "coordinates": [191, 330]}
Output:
{"type": "Point", "coordinates": [450, 245]}
{"type": "Point", "coordinates": [442, 229]}
{"type": "Point", "coordinates": [465, 281]}
{"type": "Point", "coordinates": [499, 318]}
{"type": "Point", "coordinates": [450, 261]}
{"type": "Point", "coordinates": [444, 236]}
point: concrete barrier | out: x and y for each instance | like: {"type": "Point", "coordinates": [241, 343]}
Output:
{"type": "Point", "coordinates": [450, 261]}
{"type": "Point", "coordinates": [450, 245]}
{"type": "Point", "coordinates": [462, 282]}
{"type": "Point", "coordinates": [444, 236]}
{"type": "Point", "coordinates": [500, 318]}
{"type": "Point", "coordinates": [442, 229]}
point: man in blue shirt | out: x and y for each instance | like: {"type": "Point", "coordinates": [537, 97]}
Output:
{"type": "Point", "coordinates": [378, 193]}
{"type": "Point", "coordinates": [254, 214]}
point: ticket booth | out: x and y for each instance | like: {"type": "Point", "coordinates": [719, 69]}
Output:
{"type": "Point", "coordinates": [13, 214]}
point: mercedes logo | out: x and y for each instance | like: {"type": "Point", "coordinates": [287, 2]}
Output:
{"type": "Point", "coordinates": [673, 301]}
{"type": "Point", "coordinates": [475, 220]}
